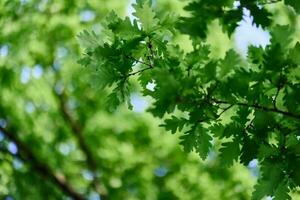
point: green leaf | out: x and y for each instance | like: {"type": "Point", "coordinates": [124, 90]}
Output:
{"type": "Point", "coordinates": [229, 63]}
{"type": "Point", "coordinates": [89, 40]}
{"type": "Point", "coordinates": [174, 124]}
{"type": "Point", "coordinates": [272, 177]}
{"type": "Point", "coordinates": [294, 3]}
{"type": "Point", "coordinates": [260, 15]}
{"type": "Point", "coordinates": [294, 54]}
{"type": "Point", "coordinates": [209, 72]}
{"type": "Point", "coordinates": [203, 141]}
{"type": "Point", "coordinates": [188, 140]}
{"type": "Point", "coordinates": [125, 29]}
{"type": "Point", "coordinates": [113, 101]}
{"type": "Point", "coordinates": [266, 151]}
{"type": "Point", "coordinates": [282, 34]}
{"type": "Point", "coordinates": [229, 152]}
{"type": "Point", "coordinates": [103, 77]}
{"type": "Point", "coordinates": [260, 190]}
{"type": "Point", "coordinates": [145, 14]}
{"type": "Point", "coordinates": [197, 139]}
{"type": "Point", "coordinates": [282, 192]}
{"type": "Point", "coordinates": [249, 151]}
{"type": "Point", "coordinates": [256, 54]}
{"type": "Point", "coordinates": [291, 97]}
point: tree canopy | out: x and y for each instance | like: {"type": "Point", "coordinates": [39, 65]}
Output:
{"type": "Point", "coordinates": [67, 128]}
{"type": "Point", "coordinates": [260, 92]}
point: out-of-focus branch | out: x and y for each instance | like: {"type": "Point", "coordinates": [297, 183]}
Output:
{"type": "Point", "coordinates": [78, 134]}
{"type": "Point", "coordinates": [25, 154]}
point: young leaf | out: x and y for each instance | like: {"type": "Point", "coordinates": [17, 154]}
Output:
{"type": "Point", "coordinates": [145, 14]}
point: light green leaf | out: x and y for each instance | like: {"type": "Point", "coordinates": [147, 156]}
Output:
{"type": "Point", "coordinates": [146, 15]}
{"type": "Point", "coordinates": [229, 63]}
{"type": "Point", "coordinates": [89, 40]}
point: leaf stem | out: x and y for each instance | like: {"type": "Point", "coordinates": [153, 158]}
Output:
{"type": "Point", "coordinates": [138, 61]}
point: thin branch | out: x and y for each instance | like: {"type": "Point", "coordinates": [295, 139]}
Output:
{"type": "Point", "coordinates": [260, 3]}
{"type": "Point", "coordinates": [275, 98]}
{"type": "Point", "coordinates": [150, 47]}
{"type": "Point", "coordinates": [217, 117]}
{"type": "Point", "coordinates": [138, 61]}
{"type": "Point", "coordinates": [249, 125]}
{"type": "Point", "coordinates": [270, 2]}
{"type": "Point", "coordinates": [137, 72]}
{"type": "Point", "coordinates": [223, 111]}
{"type": "Point", "coordinates": [27, 155]}
{"type": "Point", "coordinates": [260, 107]}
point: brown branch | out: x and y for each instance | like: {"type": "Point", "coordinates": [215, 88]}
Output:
{"type": "Point", "coordinates": [260, 107]}
{"type": "Point", "coordinates": [77, 132]}
{"type": "Point", "coordinates": [25, 153]}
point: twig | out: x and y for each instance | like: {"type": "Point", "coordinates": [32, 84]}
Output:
{"type": "Point", "coordinates": [137, 72]}
{"type": "Point", "coordinates": [138, 61]}
{"type": "Point", "coordinates": [275, 98]}
{"type": "Point", "coordinates": [227, 108]}
{"type": "Point", "coordinates": [270, 2]}
{"type": "Point", "coordinates": [149, 44]}
{"type": "Point", "coordinates": [260, 107]}
{"type": "Point", "coordinates": [260, 3]}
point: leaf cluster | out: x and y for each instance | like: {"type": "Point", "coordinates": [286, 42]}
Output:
{"type": "Point", "coordinates": [259, 95]}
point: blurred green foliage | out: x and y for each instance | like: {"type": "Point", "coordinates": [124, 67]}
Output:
{"type": "Point", "coordinates": [58, 138]}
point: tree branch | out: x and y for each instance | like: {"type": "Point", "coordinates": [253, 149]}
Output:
{"type": "Point", "coordinates": [270, 2]}
{"type": "Point", "coordinates": [260, 3]}
{"type": "Point", "coordinates": [138, 61]}
{"type": "Point", "coordinates": [77, 132]}
{"type": "Point", "coordinates": [137, 72]}
{"type": "Point", "coordinates": [275, 98]}
{"type": "Point", "coordinates": [260, 107]}
{"type": "Point", "coordinates": [26, 154]}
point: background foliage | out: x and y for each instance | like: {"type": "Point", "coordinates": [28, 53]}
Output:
{"type": "Point", "coordinates": [65, 132]}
